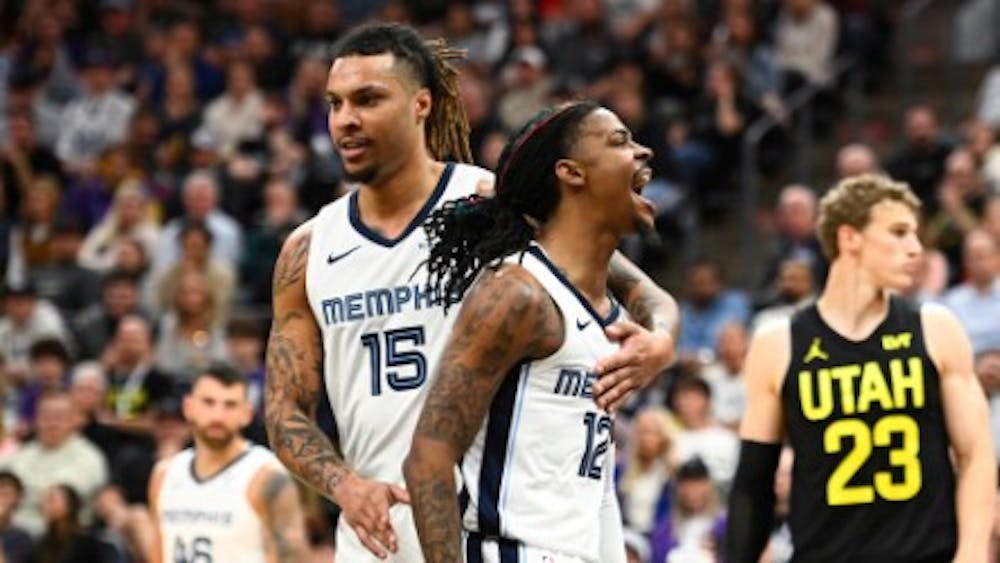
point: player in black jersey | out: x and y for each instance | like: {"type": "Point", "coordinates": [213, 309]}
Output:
{"type": "Point", "coordinates": [871, 391]}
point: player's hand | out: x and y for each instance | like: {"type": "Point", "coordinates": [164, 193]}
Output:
{"type": "Point", "coordinates": [364, 505]}
{"type": "Point", "coordinates": [643, 355]}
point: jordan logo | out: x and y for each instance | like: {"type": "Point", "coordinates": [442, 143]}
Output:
{"type": "Point", "coordinates": [815, 352]}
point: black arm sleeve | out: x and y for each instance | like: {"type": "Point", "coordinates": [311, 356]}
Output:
{"type": "Point", "coordinates": [751, 502]}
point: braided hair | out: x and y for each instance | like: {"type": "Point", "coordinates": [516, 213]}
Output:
{"type": "Point", "coordinates": [430, 62]}
{"type": "Point", "coordinates": [472, 233]}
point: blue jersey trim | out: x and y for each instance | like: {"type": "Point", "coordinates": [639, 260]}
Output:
{"type": "Point", "coordinates": [363, 230]}
{"type": "Point", "coordinates": [474, 548]}
{"type": "Point", "coordinates": [522, 393]}
{"type": "Point", "coordinates": [491, 473]}
{"type": "Point", "coordinates": [537, 252]}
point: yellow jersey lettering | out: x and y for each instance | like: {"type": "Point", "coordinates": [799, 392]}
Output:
{"type": "Point", "coordinates": [873, 389]}
{"type": "Point", "coordinates": [899, 341]}
{"type": "Point", "coordinates": [817, 404]}
{"type": "Point", "coordinates": [846, 375]}
{"type": "Point", "coordinates": [911, 381]}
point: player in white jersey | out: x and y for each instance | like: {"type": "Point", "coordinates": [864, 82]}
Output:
{"type": "Point", "coordinates": [512, 401]}
{"type": "Point", "coordinates": [225, 499]}
{"type": "Point", "coordinates": [351, 311]}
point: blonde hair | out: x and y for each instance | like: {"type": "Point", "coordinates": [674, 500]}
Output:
{"type": "Point", "coordinates": [668, 430]}
{"type": "Point", "coordinates": [850, 203]}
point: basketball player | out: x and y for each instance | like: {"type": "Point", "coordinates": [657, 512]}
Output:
{"type": "Point", "coordinates": [351, 310]}
{"type": "Point", "coordinates": [538, 474]}
{"type": "Point", "coordinates": [871, 391]}
{"type": "Point", "coordinates": [225, 499]}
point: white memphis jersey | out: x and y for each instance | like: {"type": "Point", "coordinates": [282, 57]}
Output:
{"type": "Point", "coordinates": [542, 465]}
{"type": "Point", "coordinates": [381, 334]}
{"type": "Point", "coordinates": [212, 519]}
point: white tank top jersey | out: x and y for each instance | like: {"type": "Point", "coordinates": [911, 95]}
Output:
{"type": "Point", "coordinates": [381, 334]}
{"type": "Point", "coordinates": [211, 519]}
{"type": "Point", "coordinates": [542, 465]}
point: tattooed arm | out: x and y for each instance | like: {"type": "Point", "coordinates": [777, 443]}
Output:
{"type": "Point", "coordinates": [647, 348]}
{"type": "Point", "coordinates": [506, 318]}
{"type": "Point", "coordinates": [276, 499]}
{"type": "Point", "coordinates": [294, 376]}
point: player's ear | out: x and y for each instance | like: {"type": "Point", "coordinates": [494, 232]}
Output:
{"type": "Point", "coordinates": [423, 103]}
{"type": "Point", "coordinates": [848, 239]}
{"type": "Point", "coordinates": [186, 405]}
{"type": "Point", "coordinates": [569, 172]}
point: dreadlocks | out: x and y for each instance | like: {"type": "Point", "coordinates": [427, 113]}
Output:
{"type": "Point", "coordinates": [469, 234]}
{"type": "Point", "coordinates": [447, 130]}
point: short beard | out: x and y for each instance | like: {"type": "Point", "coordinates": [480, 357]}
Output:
{"type": "Point", "coordinates": [363, 176]}
{"type": "Point", "coordinates": [215, 444]}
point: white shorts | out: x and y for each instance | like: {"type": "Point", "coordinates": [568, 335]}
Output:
{"type": "Point", "coordinates": [351, 550]}
{"type": "Point", "coordinates": [478, 550]}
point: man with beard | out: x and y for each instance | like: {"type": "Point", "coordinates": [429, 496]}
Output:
{"type": "Point", "coordinates": [224, 498]}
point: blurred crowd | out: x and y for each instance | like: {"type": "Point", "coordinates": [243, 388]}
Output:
{"type": "Point", "coordinates": [154, 154]}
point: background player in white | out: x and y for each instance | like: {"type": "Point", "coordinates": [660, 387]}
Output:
{"type": "Point", "coordinates": [349, 305]}
{"type": "Point", "coordinates": [225, 499]}
{"type": "Point", "coordinates": [509, 383]}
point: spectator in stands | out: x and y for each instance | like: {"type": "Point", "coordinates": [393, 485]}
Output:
{"type": "Point", "coordinates": [855, 159]}
{"type": "Point", "coordinates": [779, 547]}
{"type": "Point", "coordinates": [794, 288]}
{"type": "Point", "coordinates": [180, 116]}
{"type": "Point", "coordinates": [57, 455]}
{"type": "Point", "coordinates": [189, 337]}
{"type": "Point", "coordinates": [697, 520]}
{"type": "Point", "coordinates": [644, 481]}
{"type": "Point", "coordinates": [65, 539]}
{"type": "Point", "coordinates": [196, 240]}
{"type": "Point", "coordinates": [245, 347]}
{"type": "Point", "coordinates": [129, 216]}
{"type": "Point", "coordinates": [128, 528]}
{"type": "Point", "coordinates": [991, 217]}
{"type": "Point", "coordinates": [135, 463]}
{"type": "Point", "coordinates": [22, 159]}
{"type": "Point", "coordinates": [981, 141]}
{"type": "Point", "coordinates": [528, 84]}
{"type": "Point", "coordinates": [237, 115]}
{"type": "Point", "coordinates": [920, 162]}
{"type": "Point", "coordinates": [280, 216]}
{"type": "Point", "coordinates": [26, 95]}
{"type": "Point", "coordinates": [88, 388]}
{"type": "Point", "coordinates": [700, 434]}
{"type": "Point", "coordinates": [989, 97]}
{"type": "Point", "coordinates": [321, 26]}
{"type": "Point", "coordinates": [134, 383]}
{"type": "Point", "coordinates": [806, 40]}
{"type": "Point", "coordinates": [31, 235]}
{"type": "Point", "coordinates": [709, 305]}
{"type": "Point", "coordinates": [50, 364]}
{"type": "Point", "coordinates": [717, 119]}
{"type": "Point", "coordinates": [14, 541]}
{"type": "Point", "coordinates": [26, 319]}
{"type": "Point", "coordinates": [976, 302]}
{"type": "Point", "coordinates": [962, 196]}
{"type": "Point", "coordinates": [201, 199]}
{"type": "Point", "coordinates": [796, 220]}
{"type": "Point", "coordinates": [94, 326]}
{"type": "Point", "coordinates": [62, 281]}
{"type": "Point", "coordinates": [636, 547]}
{"type": "Point", "coordinates": [96, 121]}
{"type": "Point", "coordinates": [725, 376]}
{"type": "Point", "coordinates": [584, 47]}
{"type": "Point", "coordinates": [736, 41]}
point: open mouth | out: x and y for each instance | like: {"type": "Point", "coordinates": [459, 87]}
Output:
{"type": "Point", "coordinates": [641, 178]}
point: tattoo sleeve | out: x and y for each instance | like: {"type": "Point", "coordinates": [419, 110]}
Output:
{"type": "Point", "coordinates": [649, 305]}
{"type": "Point", "coordinates": [294, 363]}
{"type": "Point", "coordinates": [285, 524]}
{"type": "Point", "coordinates": [505, 319]}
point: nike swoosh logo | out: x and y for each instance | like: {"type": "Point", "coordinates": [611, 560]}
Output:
{"type": "Point", "coordinates": [334, 257]}
{"type": "Point", "coordinates": [581, 325]}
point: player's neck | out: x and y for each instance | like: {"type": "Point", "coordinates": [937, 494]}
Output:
{"type": "Point", "coordinates": [208, 462]}
{"type": "Point", "coordinates": [393, 201]}
{"type": "Point", "coordinates": [850, 303]}
{"type": "Point", "coordinates": [581, 255]}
